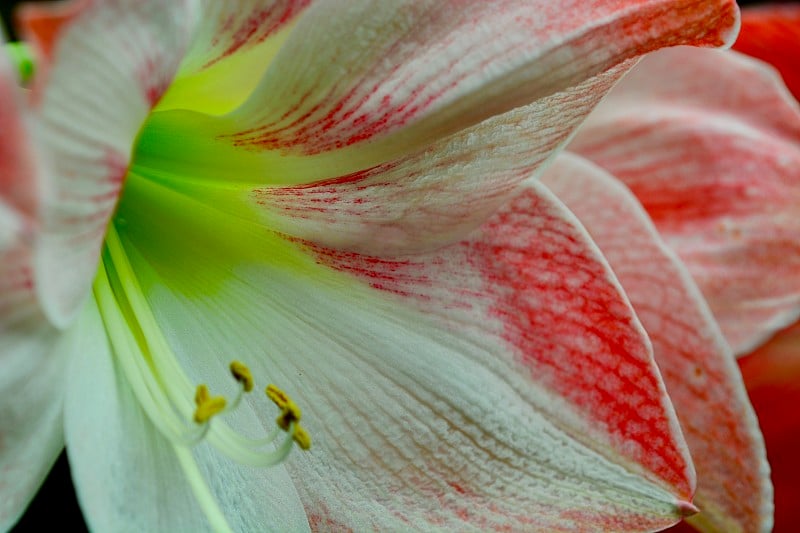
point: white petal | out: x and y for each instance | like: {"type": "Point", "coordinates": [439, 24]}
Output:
{"type": "Point", "coordinates": [126, 473]}
{"type": "Point", "coordinates": [32, 363]}
{"type": "Point", "coordinates": [110, 64]}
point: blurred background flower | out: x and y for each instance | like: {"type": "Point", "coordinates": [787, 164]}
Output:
{"type": "Point", "coordinates": [771, 32]}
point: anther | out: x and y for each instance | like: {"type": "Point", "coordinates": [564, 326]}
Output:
{"type": "Point", "coordinates": [301, 437]}
{"type": "Point", "coordinates": [242, 374]}
{"type": "Point", "coordinates": [290, 412]}
{"type": "Point", "coordinates": [207, 405]}
{"type": "Point", "coordinates": [289, 419]}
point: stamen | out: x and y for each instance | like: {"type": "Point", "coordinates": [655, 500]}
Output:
{"type": "Point", "coordinates": [164, 390]}
{"type": "Point", "coordinates": [290, 412]}
{"type": "Point", "coordinates": [242, 374]}
{"type": "Point", "coordinates": [207, 406]}
{"type": "Point", "coordinates": [301, 437]}
{"type": "Point", "coordinates": [289, 419]}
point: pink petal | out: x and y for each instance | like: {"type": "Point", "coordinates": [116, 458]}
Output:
{"type": "Point", "coordinates": [733, 491]}
{"type": "Point", "coordinates": [500, 383]}
{"type": "Point", "coordinates": [709, 142]}
{"type": "Point", "coordinates": [531, 279]}
{"type": "Point", "coordinates": [372, 71]}
{"type": "Point", "coordinates": [772, 33]}
{"type": "Point", "coordinates": [435, 196]}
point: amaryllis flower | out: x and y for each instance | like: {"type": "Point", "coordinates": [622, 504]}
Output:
{"type": "Point", "coordinates": [709, 143]}
{"type": "Point", "coordinates": [341, 195]}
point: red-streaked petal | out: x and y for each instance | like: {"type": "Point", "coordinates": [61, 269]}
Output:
{"type": "Point", "coordinates": [111, 63]}
{"type": "Point", "coordinates": [233, 45]}
{"type": "Point", "coordinates": [772, 377]}
{"type": "Point", "coordinates": [733, 488]}
{"type": "Point", "coordinates": [361, 70]}
{"type": "Point", "coordinates": [236, 27]}
{"type": "Point", "coordinates": [502, 382]}
{"type": "Point", "coordinates": [361, 83]}
{"type": "Point", "coordinates": [710, 144]}
{"type": "Point", "coordinates": [433, 197]}
{"type": "Point", "coordinates": [772, 33]}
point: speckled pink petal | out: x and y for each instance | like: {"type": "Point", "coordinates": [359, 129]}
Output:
{"type": "Point", "coordinates": [709, 142]}
{"type": "Point", "coordinates": [500, 383]}
{"type": "Point", "coordinates": [734, 492]}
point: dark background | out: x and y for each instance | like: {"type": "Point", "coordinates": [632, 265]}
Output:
{"type": "Point", "coordinates": [56, 501]}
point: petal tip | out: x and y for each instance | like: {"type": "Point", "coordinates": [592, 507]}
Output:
{"type": "Point", "coordinates": [686, 509]}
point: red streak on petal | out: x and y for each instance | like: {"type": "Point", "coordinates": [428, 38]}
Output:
{"type": "Point", "coordinates": [541, 290]}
